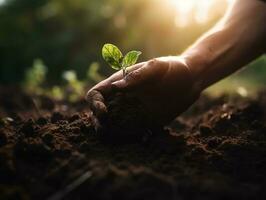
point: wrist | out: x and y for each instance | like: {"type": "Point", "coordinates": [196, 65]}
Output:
{"type": "Point", "coordinates": [196, 63]}
{"type": "Point", "coordinates": [191, 74]}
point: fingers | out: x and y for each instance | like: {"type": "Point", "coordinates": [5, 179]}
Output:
{"type": "Point", "coordinates": [106, 87]}
{"type": "Point", "coordinates": [137, 77]}
{"type": "Point", "coordinates": [95, 96]}
{"type": "Point", "coordinates": [96, 103]}
{"type": "Point", "coordinates": [119, 75]}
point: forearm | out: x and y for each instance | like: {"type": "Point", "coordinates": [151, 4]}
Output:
{"type": "Point", "coordinates": [236, 40]}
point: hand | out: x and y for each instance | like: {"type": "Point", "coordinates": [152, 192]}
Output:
{"type": "Point", "coordinates": [164, 85]}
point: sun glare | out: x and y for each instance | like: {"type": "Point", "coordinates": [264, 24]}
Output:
{"type": "Point", "coordinates": [198, 10]}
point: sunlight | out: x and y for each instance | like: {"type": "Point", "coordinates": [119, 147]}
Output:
{"type": "Point", "coordinates": [2, 2]}
{"type": "Point", "coordinates": [184, 8]}
{"type": "Point", "coordinates": [202, 11]}
{"type": "Point", "coordinates": [198, 10]}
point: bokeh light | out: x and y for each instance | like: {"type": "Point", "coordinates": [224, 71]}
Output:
{"type": "Point", "coordinates": [68, 35]}
{"type": "Point", "coordinates": [200, 11]}
{"type": "Point", "coordinates": [2, 2]}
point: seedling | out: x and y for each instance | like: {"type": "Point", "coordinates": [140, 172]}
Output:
{"type": "Point", "coordinates": [113, 56]}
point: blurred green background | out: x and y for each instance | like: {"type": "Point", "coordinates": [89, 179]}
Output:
{"type": "Point", "coordinates": [41, 40]}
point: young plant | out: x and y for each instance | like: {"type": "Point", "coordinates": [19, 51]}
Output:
{"type": "Point", "coordinates": [113, 56]}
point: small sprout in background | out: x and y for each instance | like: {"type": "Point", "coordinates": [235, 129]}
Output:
{"type": "Point", "coordinates": [74, 89]}
{"type": "Point", "coordinates": [70, 76]}
{"type": "Point", "coordinates": [36, 76]}
{"type": "Point", "coordinates": [57, 92]}
{"type": "Point", "coordinates": [242, 91]}
{"type": "Point", "coordinates": [93, 73]}
{"type": "Point", "coordinates": [114, 57]}
{"type": "Point", "coordinates": [74, 85]}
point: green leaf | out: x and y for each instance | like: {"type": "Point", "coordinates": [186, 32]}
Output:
{"type": "Point", "coordinates": [131, 58]}
{"type": "Point", "coordinates": [112, 55]}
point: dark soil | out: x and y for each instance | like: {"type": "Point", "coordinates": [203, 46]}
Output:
{"type": "Point", "coordinates": [216, 150]}
{"type": "Point", "coordinates": [127, 121]}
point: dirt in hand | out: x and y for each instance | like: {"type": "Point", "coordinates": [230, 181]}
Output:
{"type": "Point", "coordinates": [216, 150]}
{"type": "Point", "coordinates": [127, 121]}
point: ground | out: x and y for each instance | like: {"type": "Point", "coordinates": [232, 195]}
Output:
{"type": "Point", "coordinates": [50, 150]}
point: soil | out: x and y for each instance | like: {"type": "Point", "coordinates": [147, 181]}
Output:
{"type": "Point", "coordinates": [127, 121]}
{"type": "Point", "coordinates": [50, 150]}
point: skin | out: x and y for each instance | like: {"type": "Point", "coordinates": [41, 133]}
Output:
{"type": "Point", "coordinates": [167, 86]}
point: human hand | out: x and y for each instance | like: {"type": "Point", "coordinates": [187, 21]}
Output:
{"type": "Point", "coordinates": [163, 85]}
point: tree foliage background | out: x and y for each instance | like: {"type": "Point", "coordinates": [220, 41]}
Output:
{"type": "Point", "coordinates": [69, 34]}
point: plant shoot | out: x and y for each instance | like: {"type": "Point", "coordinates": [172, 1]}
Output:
{"type": "Point", "coordinates": [114, 57]}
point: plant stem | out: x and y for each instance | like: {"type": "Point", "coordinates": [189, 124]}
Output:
{"type": "Point", "coordinates": [124, 72]}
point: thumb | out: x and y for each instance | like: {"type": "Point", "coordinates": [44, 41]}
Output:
{"type": "Point", "coordinates": [120, 84]}
{"type": "Point", "coordinates": [133, 80]}
{"type": "Point", "coordinates": [146, 73]}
